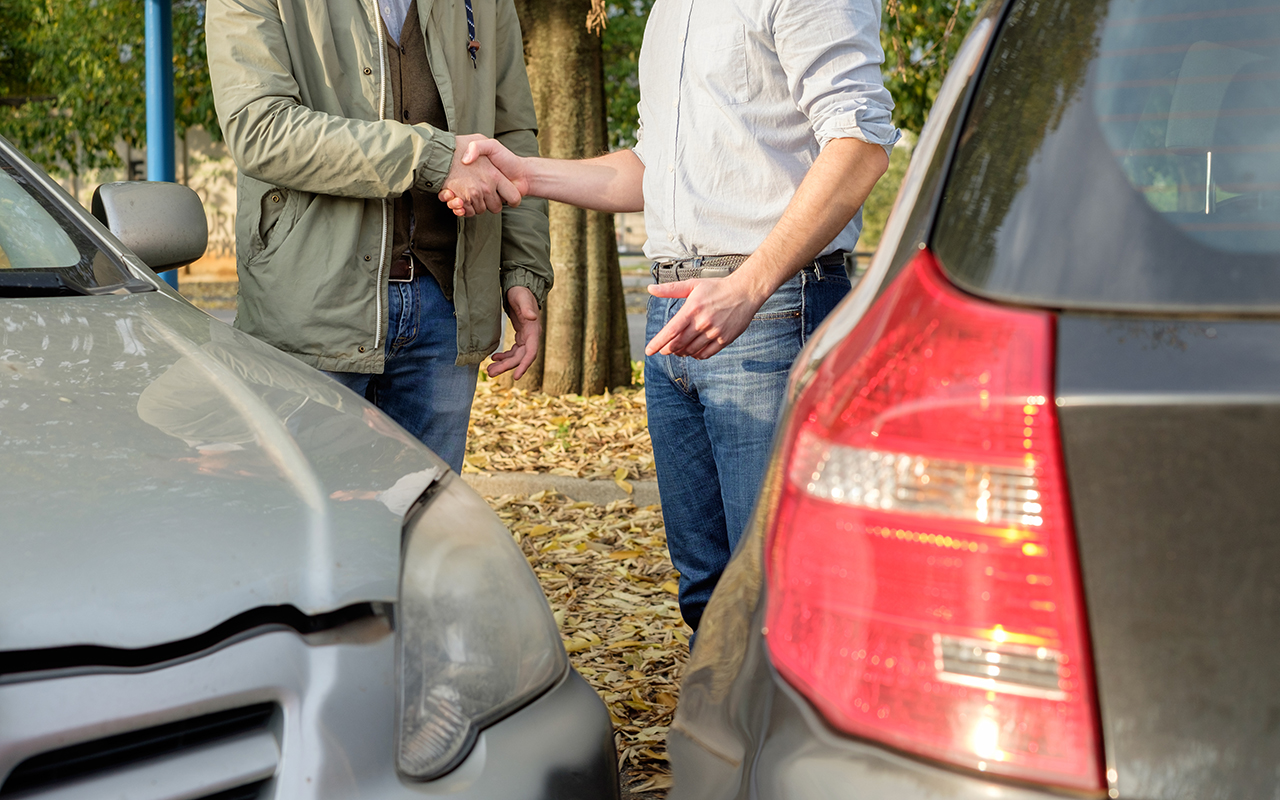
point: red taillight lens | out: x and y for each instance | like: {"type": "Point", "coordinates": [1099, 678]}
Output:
{"type": "Point", "coordinates": [922, 576]}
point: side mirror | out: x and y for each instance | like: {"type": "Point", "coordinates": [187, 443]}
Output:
{"type": "Point", "coordinates": [162, 223]}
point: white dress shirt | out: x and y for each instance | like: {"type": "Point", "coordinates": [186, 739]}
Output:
{"type": "Point", "coordinates": [737, 98]}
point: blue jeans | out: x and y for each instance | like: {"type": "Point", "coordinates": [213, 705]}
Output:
{"type": "Point", "coordinates": [712, 424]}
{"type": "Point", "coordinates": [421, 387]}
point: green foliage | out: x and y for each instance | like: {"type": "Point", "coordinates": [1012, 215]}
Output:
{"type": "Point", "coordinates": [920, 37]}
{"type": "Point", "coordinates": [16, 56]}
{"type": "Point", "coordinates": [621, 42]}
{"type": "Point", "coordinates": [89, 56]}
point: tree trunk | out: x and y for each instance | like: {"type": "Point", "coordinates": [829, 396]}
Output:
{"type": "Point", "coordinates": [585, 349]}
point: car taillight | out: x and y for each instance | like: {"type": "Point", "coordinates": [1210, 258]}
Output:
{"type": "Point", "coordinates": [923, 587]}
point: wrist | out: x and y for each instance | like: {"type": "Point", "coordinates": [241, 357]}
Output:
{"type": "Point", "coordinates": [535, 175]}
{"type": "Point", "coordinates": [752, 282]}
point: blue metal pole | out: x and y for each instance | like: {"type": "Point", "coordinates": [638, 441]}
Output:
{"type": "Point", "coordinates": [160, 133]}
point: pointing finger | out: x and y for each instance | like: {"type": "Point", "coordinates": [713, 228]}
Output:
{"type": "Point", "coordinates": [675, 289]}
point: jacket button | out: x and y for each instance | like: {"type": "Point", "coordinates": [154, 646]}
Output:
{"type": "Point", "coordinates": [368, 71]}
{"type": "Point", "coordinates": [361, 348]}
{"type": "Point", "coordinates": [406, 114]}
{"type": "Point", "coordinates": [430, 184]}
{"type": "Point", "coordinates": [368, 258]}
{"type": "Point", "coordinates": [275, 198]}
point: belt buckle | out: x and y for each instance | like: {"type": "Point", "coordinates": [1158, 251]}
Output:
{"type": "Point", "coordinates": [412, 267]}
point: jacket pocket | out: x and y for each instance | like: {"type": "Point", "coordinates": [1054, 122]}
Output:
{"type": "Point", "coordinates": [275, 213]}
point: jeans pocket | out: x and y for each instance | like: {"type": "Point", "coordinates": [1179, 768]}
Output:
{"type": "Point", "coordinates": [786, 313]}
{"type": "Point", "coordinates": [785, 303]}
{"type": "Point", "coordinates": [821, 296]}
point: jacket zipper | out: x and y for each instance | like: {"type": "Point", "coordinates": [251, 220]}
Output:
{"type": "Point", "coordinates": [382, 115]}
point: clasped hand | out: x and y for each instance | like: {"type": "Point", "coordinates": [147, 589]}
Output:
{"type": "Point", "coordinates": [477, 185]}
{"type": "Point", "coordinates": [477, 152]}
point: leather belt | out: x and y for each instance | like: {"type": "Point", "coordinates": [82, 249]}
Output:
{"type": "Point", "coordinates": [402, 269]}
{"type": "Point", "coordinates": [720, 266]}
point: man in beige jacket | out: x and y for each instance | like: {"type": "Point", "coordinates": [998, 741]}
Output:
{"type": "Point", "coordinates": [345, 120]}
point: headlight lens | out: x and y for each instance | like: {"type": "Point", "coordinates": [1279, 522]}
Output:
{"type": "Point", "coordinates": [475, 636]}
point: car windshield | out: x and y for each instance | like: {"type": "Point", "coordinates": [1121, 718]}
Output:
{"type": "Point", "coordinates": [1124, 154]}
{"type": "Point", "coordinates": [29, 236]}
{"type": "Point", "coordinates": [36, 236]}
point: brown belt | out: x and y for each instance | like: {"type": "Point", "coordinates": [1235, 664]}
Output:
{"type": "Point", "coordinates": [720, 266]}
{"type": "Point", "coordinates": [402, 269]}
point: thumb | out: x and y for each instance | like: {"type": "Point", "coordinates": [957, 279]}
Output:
{"type": "Point", "coordinates": [471, 154]}
{"type": "Point", "coordinates": [480, 147]}
{"type": "Point", "coordinates": [527, 306]}
{"type": "Point", "coordinates": [676, 289]}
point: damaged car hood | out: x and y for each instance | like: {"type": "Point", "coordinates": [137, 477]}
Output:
{"type": "Point", "coordinates": [161, 473]}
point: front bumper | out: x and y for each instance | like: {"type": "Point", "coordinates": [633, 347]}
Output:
{"type": "Point", "coordinates": [332, 735]}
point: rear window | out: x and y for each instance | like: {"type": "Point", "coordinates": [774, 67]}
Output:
{"type": "Point", "coordinates": [1123, 154]}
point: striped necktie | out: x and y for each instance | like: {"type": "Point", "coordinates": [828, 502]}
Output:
{"type": "Point", "coordinates": [473, 46]}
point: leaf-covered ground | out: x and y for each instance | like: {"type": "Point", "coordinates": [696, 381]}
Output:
{"type": "Point", "coordinates": [612, 588]}
{"type": "Point", "coordinates": [605, 569]}
{"type": "Point", "coordinates": [583, 437]}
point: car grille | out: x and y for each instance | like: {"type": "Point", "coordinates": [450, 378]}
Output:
{"type": "Point", "coordinates": [240, 736]}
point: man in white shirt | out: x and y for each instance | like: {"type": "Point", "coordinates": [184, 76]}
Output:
{"type": "Point", "coordinates": [764, 124]}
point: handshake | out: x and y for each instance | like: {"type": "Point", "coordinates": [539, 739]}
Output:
{"type": "Point", "coordinates": [484, 176]}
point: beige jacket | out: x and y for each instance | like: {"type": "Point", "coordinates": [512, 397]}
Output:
{"type": "Point", "coordinates": [303, 95]}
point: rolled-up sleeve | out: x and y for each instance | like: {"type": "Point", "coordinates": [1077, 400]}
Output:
{"type": "Point", "coordinates": [831, 54]}
{"type": "Point", "coordinates": [638, 147]}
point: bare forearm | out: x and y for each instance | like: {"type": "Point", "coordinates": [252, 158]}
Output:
{"type": "Point", "coordinates": [835, 188]}
{"type": "Point", "coordinates": [612, 182]}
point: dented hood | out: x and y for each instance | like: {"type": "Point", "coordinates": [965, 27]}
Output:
{"type": "Point", "coordinates": [161, 473]}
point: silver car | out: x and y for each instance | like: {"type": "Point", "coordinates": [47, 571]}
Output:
{"type": "Point", "coordinates": [224, 576]}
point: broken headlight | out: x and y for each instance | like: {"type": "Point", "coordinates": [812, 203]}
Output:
{"type": "Point", "coordinates": [475, 636]}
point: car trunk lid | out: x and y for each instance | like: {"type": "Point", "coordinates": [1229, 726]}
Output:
{"type": "Point", "coordinates": [1171, 430]}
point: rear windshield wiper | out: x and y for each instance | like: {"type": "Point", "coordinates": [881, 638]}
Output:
{"type": "Point", "coordinates": [49, 283]}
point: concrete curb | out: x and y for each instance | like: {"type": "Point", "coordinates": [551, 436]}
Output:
{"type": "Point", "coordinates": [644, 493]}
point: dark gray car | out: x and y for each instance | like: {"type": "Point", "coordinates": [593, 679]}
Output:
{"type": "Point", "coordinates": [224, 576]}
{"type": "Point", "coordinates": [1019, 537]}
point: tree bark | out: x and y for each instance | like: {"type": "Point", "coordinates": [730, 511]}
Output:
{"type": "Point", "coordinates": [585, 348]}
